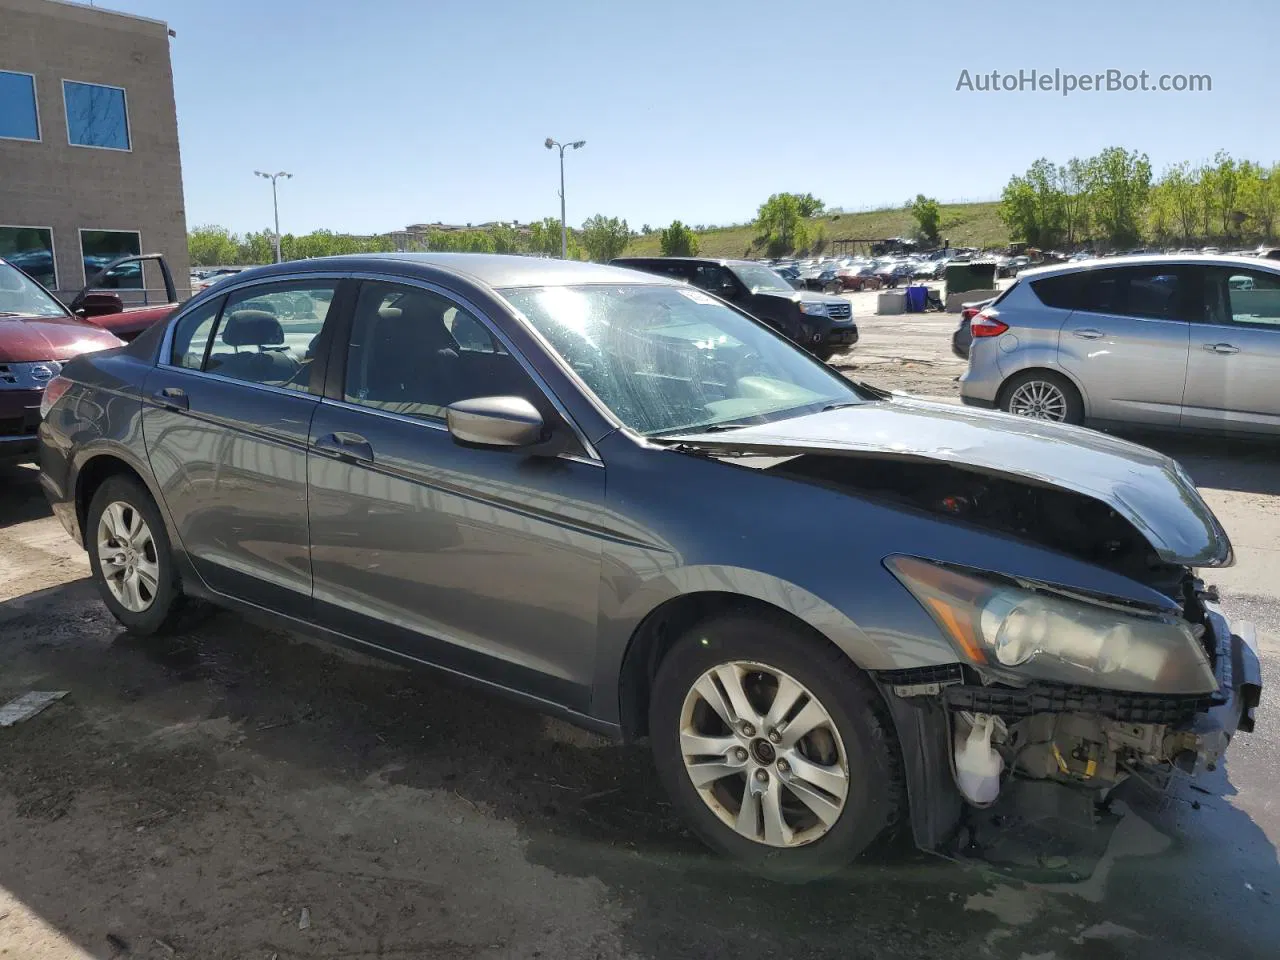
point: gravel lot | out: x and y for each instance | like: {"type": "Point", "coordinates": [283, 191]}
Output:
{"type": "Point", "coordinates": [235, 792]}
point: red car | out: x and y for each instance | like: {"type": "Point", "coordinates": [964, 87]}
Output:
{"type": "Point", "coordinates": [98, 304]}
{"type": "Point", "coordinates": [37, 335]}
{"type": "Point", "coordinates": [858, 278]}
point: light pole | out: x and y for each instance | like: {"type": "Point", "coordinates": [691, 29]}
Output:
{"type": "Point", "coordinates": [275, 204]}
{"type": "Point", "coordinates": [564, 229]}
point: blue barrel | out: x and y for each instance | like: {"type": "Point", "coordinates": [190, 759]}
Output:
{"type": "Point", "coordinates": [917, 298]}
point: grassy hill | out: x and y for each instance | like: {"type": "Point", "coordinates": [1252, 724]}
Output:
{"type": "Point", "coordinates": [964, 224]}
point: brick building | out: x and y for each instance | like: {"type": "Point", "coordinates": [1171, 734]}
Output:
{"type": "Point", "coordinates": [89, 162]}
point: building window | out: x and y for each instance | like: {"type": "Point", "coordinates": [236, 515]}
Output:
{"type": "Point", "coordinates": [30, 249]}
{"type": "Point", "coordinates": [100, 247]}
{"type": "Point", "coordinates": [19, 118]}
{"type": "Point", "coordinates": [97, 115]}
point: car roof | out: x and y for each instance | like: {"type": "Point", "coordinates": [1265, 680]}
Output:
{"type": "Point", "coordinates": [1140, 260]}
{"type": "Point", "coordinates": [491, 269]}
{"type": "Point", "coordinates": [722, 261]}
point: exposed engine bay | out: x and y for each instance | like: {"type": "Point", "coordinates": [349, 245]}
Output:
{"type": "Point", "coordinates": [1059, 519]}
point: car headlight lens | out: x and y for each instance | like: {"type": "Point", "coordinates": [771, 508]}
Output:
{"type": "Point", "coordinates": [813, 308]}
{"type": "Point", "coordinates": [1050, 636]}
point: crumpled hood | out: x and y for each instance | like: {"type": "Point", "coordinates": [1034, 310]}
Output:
{"type": "Point", "coordinates": [25, 339]}
{"type": "Point", "coordinates": [1148, 489]}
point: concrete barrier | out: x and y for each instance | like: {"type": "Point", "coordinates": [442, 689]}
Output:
{"type": "Point", "coordinates": [955, 300]}
{"type": "Point", "coordinates": [891, 301]}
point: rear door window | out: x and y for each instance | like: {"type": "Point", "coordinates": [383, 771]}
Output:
{"type": "Point", "coordinates": [267, 334]}
{"type": "Point", "coordinates": [1155, 292]}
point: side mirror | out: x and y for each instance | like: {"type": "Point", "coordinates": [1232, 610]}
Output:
{"type": "Point", "coordinates": [99, 305]}
{"type": "Point", "coordinates": [495, 422]}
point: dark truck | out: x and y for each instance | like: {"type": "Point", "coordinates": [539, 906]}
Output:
{"type": "Point", "coordinates": [821, 324]}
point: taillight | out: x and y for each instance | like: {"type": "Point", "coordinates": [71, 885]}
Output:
{"type": "Point", "coordinates": [53, 392]}
{"type": "Point", "coordinates": [987, 324]}
{"type": "Point", "coordinates": [968, 313]}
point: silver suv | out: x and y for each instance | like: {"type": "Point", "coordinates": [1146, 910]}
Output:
{"type": "Point", "coordinates": [1189, 342]}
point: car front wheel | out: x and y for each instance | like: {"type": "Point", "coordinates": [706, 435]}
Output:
{"type": "Point", "coordinates": [775, 748]}
{"type": "Point", "coordinates": [130, 557]}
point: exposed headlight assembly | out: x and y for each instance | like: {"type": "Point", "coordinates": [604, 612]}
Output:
{"type": "Point", "coordinates": [1045, 635]}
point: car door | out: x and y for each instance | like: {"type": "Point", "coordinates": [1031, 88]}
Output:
{"type": "Point", "coordinates": [484, 561]}
{"type": "Point", "coordinates": [226, 420]}
{"type": "Point", "coordinates": [1233, 373]}
{"type": "Point", "coordinates": [1126, 342]}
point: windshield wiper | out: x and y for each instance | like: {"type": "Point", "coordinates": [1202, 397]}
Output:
{"type": "Point", "coordinates": [841, 405]}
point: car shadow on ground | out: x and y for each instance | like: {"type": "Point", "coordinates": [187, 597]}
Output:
{"type": "Point", "coordinates": [196, 738]}
{"type": "Point", "coordinates": [21, 499]}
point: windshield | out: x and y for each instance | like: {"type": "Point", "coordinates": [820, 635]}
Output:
{"type": "Point", "coordinates": [20, 296]}
{"type": "Point", "coordinates": [669, 360]}
{"type": "Point", "coordinates": [756, 277]}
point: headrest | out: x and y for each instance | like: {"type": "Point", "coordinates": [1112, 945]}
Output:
{"type": "Point", "coordinates": [252, 328]}
{"type": "Point", "coordinates": [390, 313]}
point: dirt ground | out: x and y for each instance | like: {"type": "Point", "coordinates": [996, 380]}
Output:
{"type": "Point", "coordinates": [237, 792]}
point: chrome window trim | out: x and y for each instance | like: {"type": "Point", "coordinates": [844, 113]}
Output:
{"type": "Point", "coordinates": [268, 387]}
{"type": "Point", "coordinates": [591, 452]}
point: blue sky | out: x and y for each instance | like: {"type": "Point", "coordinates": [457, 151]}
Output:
{"type": "Point", "coordinates": [393, 111]}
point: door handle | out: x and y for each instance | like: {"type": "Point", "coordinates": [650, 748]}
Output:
{"type": "Point", "coordinates": [345, 446]}
{"type": "Point", "coordinates": [1088, 333]}
{"type": "Point", "coordinates": [172, 398]}
{"type": "Point", "coordinates": [1221, 348]}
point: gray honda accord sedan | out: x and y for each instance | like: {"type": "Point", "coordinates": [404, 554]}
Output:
{"type": "Point", "coordinates": [628, 503]}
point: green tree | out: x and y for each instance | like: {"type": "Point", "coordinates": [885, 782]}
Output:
{"type": "Point", "coordinates": [1260, 197]}
{"type": "Point", "coordinates": [1181, 192]}
{"type": "Point", "coordinates": [506, 238]}
{"type": "Point", "coordinates": [1206, 181]}
{"type": "Point", "coordinates": [810, 206]}
{"type": "Point", "coordinates": [1119, 184]}
{"type": "Point", "coordinates": [678, 241]}
{"type": "Point", "coordinates": [544, 237]}
{"type": "Point", "coordinates": [782, 224]}
{"type": "Point", "coordinates": [604, 237]}
{"type": "Point", "coordinates": [1073, 192]}
{"type": "Point", "coordinates": [646, 230]}
{"type": "Point", "coordinates": [928, 216]}
{"type": "Point", "coordinates": [256, 248]}
{"type": "Point", "coordinates": [1226, 183]}
{"type": "Point", "coordinates": [1018, 210]}
{"type": "Point", "coordinates": [212, 246]}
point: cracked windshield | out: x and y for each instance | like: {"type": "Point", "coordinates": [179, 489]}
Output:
{"type": "Point", "coordinates": [508, 500]}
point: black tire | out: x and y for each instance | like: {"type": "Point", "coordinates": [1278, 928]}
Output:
{"type": "Point", "coordinates": [167, 603]}
{"type": "Point", "coordinates": [826, 353]}
{"type": "Point", "coordinates": [876, 792]}
{"type": "Point", "coordinates": [1074, 403]}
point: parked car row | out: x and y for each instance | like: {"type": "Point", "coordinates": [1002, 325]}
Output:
{"type": "Point", "coordinates": [612, 494]}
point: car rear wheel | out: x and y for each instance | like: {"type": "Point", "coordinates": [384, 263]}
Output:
{"type": "Point", "coordinates": [1042, 395]}
{"type": "Point", "coordinates": [774, 747]}
{"type": "Point", "coordinates": [130, 557]}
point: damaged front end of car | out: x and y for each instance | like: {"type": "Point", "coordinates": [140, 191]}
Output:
{"type": "Point", "coordinates": [1059, 699]}
{"type": "Point", "coordinates": [1055, 695]}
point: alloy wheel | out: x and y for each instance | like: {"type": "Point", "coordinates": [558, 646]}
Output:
{"type": "Point", "coordinates": [1039, 400]}
{"type": "Point", "coordinates": [764, 754]}
{"type": "Point", "coordinates": [128, 558]}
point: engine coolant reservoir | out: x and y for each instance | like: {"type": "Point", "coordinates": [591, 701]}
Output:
{"type": "Point", "coordinates": [978, 765]}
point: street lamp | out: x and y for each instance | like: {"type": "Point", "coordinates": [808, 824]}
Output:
{"type": "Point", "coordinates": [564, 229]}
{"type": "Point", "coordinates": [275, 205]}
